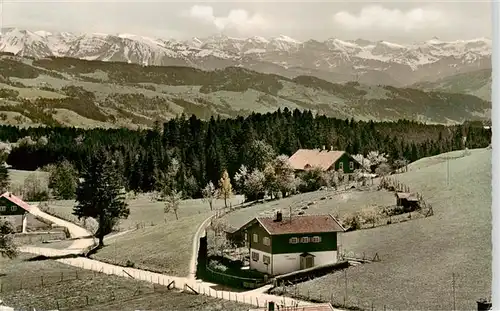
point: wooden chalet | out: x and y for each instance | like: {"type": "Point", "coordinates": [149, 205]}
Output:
{"type": "Point", "coordinates": [278, 246]}
{"type": "Point", "coordinates": [326, 160]}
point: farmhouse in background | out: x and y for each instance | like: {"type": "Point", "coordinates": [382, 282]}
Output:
{"type": "Point", "coordinates": [278, 246]}
{"type": "Point", "coordinates": [326, 160]}
{"type": "Point", "coordinates": [10, 205]}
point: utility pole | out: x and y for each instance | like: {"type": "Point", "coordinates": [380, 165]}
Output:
{"type": "Point", "coordinates": [448, 171]}
{"type": "Point", "coordinates": [345, 279]}
{"type": "Point", "coordinates": [453, 288]}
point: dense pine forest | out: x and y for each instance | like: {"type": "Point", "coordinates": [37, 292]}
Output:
{"type": "Point", "coordinates": [204, 149]}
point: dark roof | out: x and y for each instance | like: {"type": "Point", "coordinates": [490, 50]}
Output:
{"type": "Point", "coordinates": [406, 195]}
{"type": "Point", "coordinates": [12, 198]}
{"type": "Point", "coordinates": [301, 224]}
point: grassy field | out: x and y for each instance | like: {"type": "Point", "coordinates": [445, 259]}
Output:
{"type": "Point", "coordinates": [339, 203]}
{"type": "Point", "coordinates": [157, 242]}
{"type": "Point", "coordinates": [49, 285]}
{"type": "Point", "coordinates": [17, 177]}
{"type": "Point", "coordinates": [421, 258]}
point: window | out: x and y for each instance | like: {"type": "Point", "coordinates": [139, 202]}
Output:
{"type": "Point", "coordinates": [316, 239]}
{"type": "Point", "coordinates": [246, 236]}
{"type": "Point", "coordinates": [255, 256]}
{"type": "Point", "coordinates": [341, 165]}
{"type": "Point", "coordinates": [13, 208]}
{"type": "Point", "coordinates": [266, 241]}
{"type": "Point", "coordinates": [266, 259]}
{"type": "Point", "coordinates": [255, 238]}
{"type": "Point", "coordinates": [3, 208]}
{"type": "Point", "coordinates": [294, 240]}
{"type": "Point", "coordinates": [351, 165]}
{"type": "Point", "coordinates": [304, 239]}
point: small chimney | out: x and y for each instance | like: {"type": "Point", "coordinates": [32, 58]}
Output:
{"type": "Point", "coordinates": [324, 147]}
{"type": "Point", "coordinates": [270, 306]}
{"type": "Point", "coordinates": [279, 217]}
{"type": "Point", "coordinates": [331, 148]}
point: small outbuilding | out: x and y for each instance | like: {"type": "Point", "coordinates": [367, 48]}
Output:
{"type": "Point", "coordinates": [408, 201]}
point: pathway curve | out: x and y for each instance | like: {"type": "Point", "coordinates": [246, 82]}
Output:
{"type": "Point", "coordinates": [84, 241]}
{"type": "Point", "coordinates": [196, 246]}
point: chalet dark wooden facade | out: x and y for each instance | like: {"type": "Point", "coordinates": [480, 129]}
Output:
{"type": "Point", "coordinates": [278, 246]}
{"type": "Point", "coordinates": [10, 206]}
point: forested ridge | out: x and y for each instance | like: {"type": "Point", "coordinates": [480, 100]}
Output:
{"type": "Point", "coordinates": [204, 149]}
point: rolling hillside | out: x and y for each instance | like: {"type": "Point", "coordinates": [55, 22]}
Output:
{"type": "Point", "coordinates": [94, 93]}
{"type": "Point", "coordinates": [477, 83]}
{"type": "Point", "coordinates": [420, 258]}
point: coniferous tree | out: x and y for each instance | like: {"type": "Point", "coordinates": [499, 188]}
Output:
{"type": "Point", "coordinates": [4, 173]}
{"type": "Point", "coordinates": [100, 194]}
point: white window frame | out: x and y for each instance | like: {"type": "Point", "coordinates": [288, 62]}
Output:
{"type": "Point", "coordinates": [341, 165]}
{"type": "Point", "coordinates": [3, 208]}
{"type": "Point", "coordinates": [351, 165]}
{"type": "Point", "coordinates": [316, 239]}
{"type": "Point", "coordinates": [246, 236]}
{"type": "Point", "coordinates": [305, 239]}
{"type": "Point", "coordinates": [13, 208]}
{"type": "Point", "coordinates": [293, 240]}
{"type": "Point", "coordinates": [255, 238]}
{"type": "Point", "coordinates": [266, 259]}
{"type": "Point", "coordinates": [255, 256]}
{"type": "Point", "coordinates": [266, 241]}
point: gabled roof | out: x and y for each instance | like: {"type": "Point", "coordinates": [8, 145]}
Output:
{"type": "Point", "coordinates": [323, 159]}
{"type": "Point", "coordinates": [298, 224]}
{"type": "Point", "coordinates": [12, 198]}
{"type": "Point", "coordinates": [406, 195]}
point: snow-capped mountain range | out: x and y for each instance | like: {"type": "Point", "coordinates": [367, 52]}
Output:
{"type": "Point", "coordinates": [334, 60]}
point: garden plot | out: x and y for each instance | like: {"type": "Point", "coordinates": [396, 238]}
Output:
{"type": "Point", "coordinates": [421, 258]}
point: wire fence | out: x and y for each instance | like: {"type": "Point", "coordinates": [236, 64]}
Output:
{"type": "Point", "coordinates": [57, 290]}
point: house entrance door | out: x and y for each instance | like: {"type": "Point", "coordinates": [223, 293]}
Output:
{"type": "Point", "coordinates": [306, 261]}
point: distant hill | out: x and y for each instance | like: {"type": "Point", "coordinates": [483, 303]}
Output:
{"type": "Point", "coordinates": [477, 83]}
{"type": "Point", "coordinates": [95, 93]}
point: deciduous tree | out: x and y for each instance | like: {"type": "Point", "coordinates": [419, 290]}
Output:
{"type": "Point", "coordinates": [172, 201]}
{"type": "Point", "coordinates": [7, 246]}
{"type": "Point", "coordinates": [209, 194]}
{"type": "Point", "coordinates": [63, 179]}
{"type": "Point", "coordinates": [225, 188]}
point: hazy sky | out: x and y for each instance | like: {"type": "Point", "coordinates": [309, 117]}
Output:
{"type": "Point", "coordinates": [402, 21]}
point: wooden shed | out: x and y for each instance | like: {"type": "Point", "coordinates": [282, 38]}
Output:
{"type": "Point", "coordinates": [408, 201]}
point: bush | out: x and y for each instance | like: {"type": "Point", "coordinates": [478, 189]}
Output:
{"type": "Point", "coordinates": [352, 222]}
